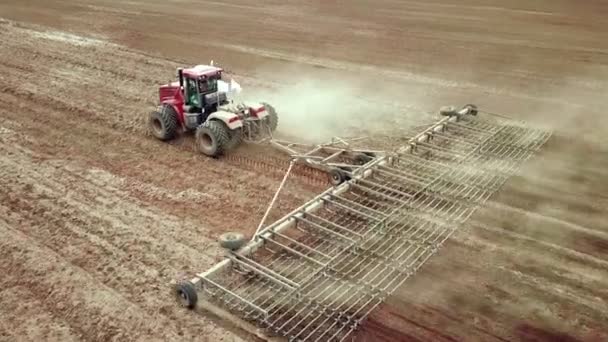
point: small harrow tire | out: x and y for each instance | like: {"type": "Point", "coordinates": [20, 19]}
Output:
{"type": "Point", "coordinates": [361, 159]}
{"type": "Point", "coordinates": [212, 138]}
{"type": "Point", "coordinates": [186, 294]}
{"type": "Point", "coordinates": [472, 109]}
{"type": "Point", "coordinates": [337, 177]}
{"type": "Point", "coordinates": [448, 111]}
{"type": "Point", "coordinates": [272, 118]}
{"type": "Point", "coordinates": [163, 123]}
{"type": "Point", "coordinates": [232, 241]}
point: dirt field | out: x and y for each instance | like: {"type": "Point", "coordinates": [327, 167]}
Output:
{"type": "Point", "coordinates": [98, 219]}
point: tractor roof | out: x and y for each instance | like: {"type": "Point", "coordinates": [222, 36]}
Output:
{"type": "Point", "coordinates": [201, 70]}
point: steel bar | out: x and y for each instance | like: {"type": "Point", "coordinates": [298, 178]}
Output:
{"type": "Point", "coordinates": [325, 229]}
{"type": "Point", "coordinates": [333, 224]}
{"type": "Point", "coordinates": [263, 271]}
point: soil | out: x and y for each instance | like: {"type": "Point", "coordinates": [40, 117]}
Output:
{"type": "Point", "coordinates": [98, 219]}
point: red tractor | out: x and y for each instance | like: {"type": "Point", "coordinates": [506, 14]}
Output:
{"type": "Point", "coordinates": [194, 103]}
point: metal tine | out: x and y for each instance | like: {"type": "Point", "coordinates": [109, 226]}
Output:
{"type": "Point", "coordinates": [291, 250]}
{"type": "Point", "coordinates": [346, 207]}
{"type": "Point", "coordinates": [263, 270]}
{"type": "Point", "coordinates": [333, 224]}
{"type": "Point", "coordinates": [297, 243]}
{"type": "Point", "coordinates": [372, 183]}
{"type": "Point", "coordinates": [325, 229]}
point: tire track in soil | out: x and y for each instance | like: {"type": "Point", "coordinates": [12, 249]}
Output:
{"type": "Point", "coordinates": [93, 132]}
{"type": "Point", "coordinates": [69, 292]}
{"type": "Point", "coordinates": [91, 113]}
{"type": "Point", "coordinates": [103, 261]}
{"type": "Point", "coordinates": [309, 177]}
{"type": "Point", "coordinates": [575, 286]}
{"type": "Point", "coordinates": [537, 287]}
{"type": "Point", "coordinates": [21, 311]}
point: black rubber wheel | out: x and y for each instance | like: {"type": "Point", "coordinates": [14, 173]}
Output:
{"type": "Point", "coordinates": [472, 109]}
{"type": "Point", "coordinates": [212, 138]}
{"type": "Point", "coordinates": [448, 111]}
{"type": "Point", "coordinates": [235, 139]}
{"type": "Point", "coordinates": [163, 123]}
{"type": "Point", "coordinates": [186, 294]}
{"type": "Point", "coordinates": [337, 176]}
{"type": "Point", "coordinates": [232, 241]}
{"type": "Point", "coordinates": [361, 159]}
{"type": "Point", "coordinates": [272, 118]}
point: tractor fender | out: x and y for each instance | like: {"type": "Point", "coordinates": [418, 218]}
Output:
{"type": "Point", "coordinates": [230, 119]}
{"type": "Point", "coordinates": [259, 108]}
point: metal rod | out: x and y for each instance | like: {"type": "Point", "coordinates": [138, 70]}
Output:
{"type": "Point", "coordinates": [291, 250]}
{"type": "Point", "coordinates": [333, 224]}
{"type": "Point", "coordinates": [264, 271]}
{"type": "Point", "coordinates": [252, 305]}
{"type": "Point", "coordinates": [377, 193]}
{"type": "Point", "coordinates": [325, 229]}
{"type": "Point", "coordinates": [355, 204]}
{"type": "Point", "coordinates": [276, 195]}
{"type": "Point", "coordinates": [393, 190]}
{"type": "Point", "coordinates": [302, 245]}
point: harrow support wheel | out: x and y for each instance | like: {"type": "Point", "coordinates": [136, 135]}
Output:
{"type": "Point", "coordinates": [163, 123]}
{"type": "Point", "coordinates": [232, 241]}
{"type": "Point", "coordinates": [472, 109]}
{"type": "Point", "coordinates": [361, 159]}
{"type": "Point", "coordinates": [212, 138]}
{"type": "Point", "coordinates": [337, 177]}
{"type": "Point", "coordinates": [186, 294]}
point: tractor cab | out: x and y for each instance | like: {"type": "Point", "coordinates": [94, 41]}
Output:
{"type": "Point", "coordinates": [200, 88]}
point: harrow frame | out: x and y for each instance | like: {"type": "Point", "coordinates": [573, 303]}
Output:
{"type": "Point", "coordinates": [315, 274]}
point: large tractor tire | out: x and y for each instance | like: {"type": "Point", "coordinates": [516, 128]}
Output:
{"type": "Point", "coordinates": [236, 138]}
{"type": "Point", "coordinates": [272, 118]}
{"type": "Point", "coordinates": [163, 123]}
{"type": "Point", "coordinates": [212, 138]}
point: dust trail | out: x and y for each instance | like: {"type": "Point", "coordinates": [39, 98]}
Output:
{"type": "Point", "coordinates": [549, 219]}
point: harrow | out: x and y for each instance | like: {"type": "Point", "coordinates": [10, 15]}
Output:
{"type": "Point", "coordinates": [317, 273]}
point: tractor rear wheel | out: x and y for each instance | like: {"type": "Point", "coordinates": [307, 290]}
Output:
{"type": "Point", "coordinates": [236, 138]}
{"type": "Point", "coordinates": [272, 118]}
{"type": "Point", "coordinates": [212, 137]}
{"type": "Point", "coordinates": [163, 123]}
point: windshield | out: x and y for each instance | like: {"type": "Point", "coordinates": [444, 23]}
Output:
{"type": "Point", "coordinates": [207, 85]}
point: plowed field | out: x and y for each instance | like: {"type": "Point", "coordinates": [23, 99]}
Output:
{"type": "Point", "coordinates": [98, 219]}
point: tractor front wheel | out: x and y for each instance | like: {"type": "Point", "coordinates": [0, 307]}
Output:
{"type": "Point", "coordinates": [212, 138]}
{"type": "Point", "coordinates": [163, 123]}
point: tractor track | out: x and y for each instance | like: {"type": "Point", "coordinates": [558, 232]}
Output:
{"type": "Point", "coordinates": [56, 216]}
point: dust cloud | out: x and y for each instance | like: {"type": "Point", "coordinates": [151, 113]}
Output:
{"type": "Point", "coordinates": [315, 106]}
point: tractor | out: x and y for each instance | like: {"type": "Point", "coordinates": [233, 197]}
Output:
{"type": "Point", "coordinates": [195, 103]}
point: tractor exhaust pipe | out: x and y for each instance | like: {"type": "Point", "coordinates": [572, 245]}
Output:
{"type": "Point", "coordinates": [180, 76]}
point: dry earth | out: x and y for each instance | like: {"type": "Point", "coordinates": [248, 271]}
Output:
{"type": "Point", "coordinates": [97, 219]}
